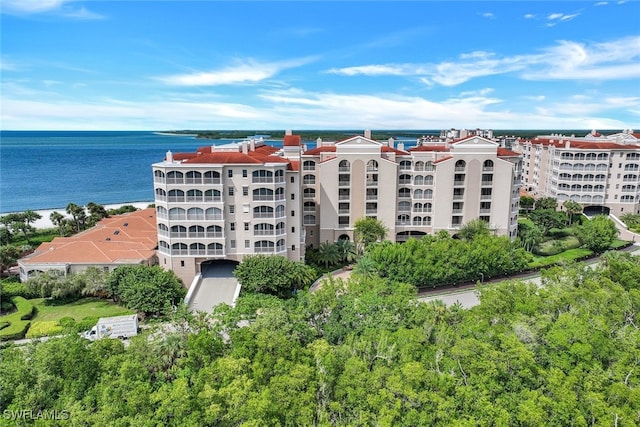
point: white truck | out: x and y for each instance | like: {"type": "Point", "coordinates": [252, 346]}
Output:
{"type": "Point", "coordinates": [114, 327]}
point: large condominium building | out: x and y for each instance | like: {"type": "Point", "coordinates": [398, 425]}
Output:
{"type": "Point", "coordinates": [422, 190]}
{"type": "Point", "coordinates": [229, 201]}
{"type": "Point", "coordinates": [600, 172]}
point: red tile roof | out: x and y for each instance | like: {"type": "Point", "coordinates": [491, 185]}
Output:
{"type": "Point", "coordinates": [324, 149]}
{"type": "Point", "coordinates": [430, 147]}
{"type": "Point", "coordinates": [291, 141]}
{"type": "Point", "coordinates": [443, 159]}
{"type": "Point", "coordinates": [503, 152]}
{"type": "Point", "coordinates": [559, 142]}
{"type": "Point", "coordinates": [127, 238]}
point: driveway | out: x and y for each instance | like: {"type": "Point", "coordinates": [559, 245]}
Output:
{"type": "Point", "coordinates": [218, 285]}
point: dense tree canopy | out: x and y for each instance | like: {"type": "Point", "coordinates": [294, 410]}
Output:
{"type": "Point", "coordinates": [362, 352]}
{"type": "Point", "coordinates": [598, 233]}
{"type": "Point", "coordinates": [367, 231]}
{"type": "Point", "coordinates": [274, 275]}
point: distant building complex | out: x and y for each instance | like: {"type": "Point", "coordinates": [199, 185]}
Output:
{"type": "Point", "coordinates": [598, 171]}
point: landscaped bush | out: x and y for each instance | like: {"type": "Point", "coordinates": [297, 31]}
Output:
{"type": "Point", "coordinates": [44, 329]}
{"type": "Point", "coordinates": [15, 331]}
{"type": "Point", "coordinates": [12, 287]}
{"type": "Point", "coordinates": [86, 324]}
{"type": "Point", "coordinates": [4, 325]}
{"type": "Point", "coordinates": [26, 310]}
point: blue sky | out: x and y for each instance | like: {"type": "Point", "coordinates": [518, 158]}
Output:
{"type": "Point", "coordinates": [160, 65]}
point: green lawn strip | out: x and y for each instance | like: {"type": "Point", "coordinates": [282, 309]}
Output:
{"type": "Point", "coordinates": [40, 236]}
{"type": "Point", "coordinates": [570, 255]}
{"type": "Point", "coordinates": [84, 312]}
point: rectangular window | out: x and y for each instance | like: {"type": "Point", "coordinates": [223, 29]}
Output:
{"type": "Point", "coordinates": [293, 196]}
{"type": "Point", "coordinates": [231, 191]}
{"type": "Point", "coordinates": [181, 263]}
{"type": "Point", "coordinates": [230, 173]}
{"type": "Point", "coordinates": [232, 226]}
{"type": "Point", "coordinates": [233, 244]}
{"type": "Point", "coordinates": [245, 191]}
{"type": "Point", "coordinates": [293, 229]}
{"type": "Point", "coordinates": [232, 209]}
{"type": "Point", "coordinates": [293, 247]}
{"type": "Point", "coordinates": [293, 179]}
{"type": "Point", "coordinates": [244, 173]}
{"type": "Point", "coordinates": [245, 208]}
{"type": "Point", "coordinates": [293, 213]}
{"type": "Point", "coordinates": [246, 226]}
{"type": "Point", "coordinates": [247, 244]}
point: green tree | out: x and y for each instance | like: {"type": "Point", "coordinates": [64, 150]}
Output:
{"type": "Point", "coordinates": [78, 216]}
{"type": "Point", "coordinates": [96, 213]}
{"type": "Point", "coordinates": [598, 233]}
{"type": "Point", "coordinates": [546, 203]}
{"type": "Point", "coordinates": [547, 219]}
{"type": "Point", "coordinates": [529, 235]}
{"type": "Point", "coordinates": [58, 220]}
{"type": "Point", "coordinates": [146, 289]}
{"type": "Point", "coordinates": [347, 250]}
{"type": "Point", "coordinates": [527, 202]}
{"type": "Point", "coordinates": [474, 228]}
{"type": "Point", "coordinates": [273, 275]}
{"type": "Point", "coordinates": [571, 208]}
{"type": "Point", "coordinates": [328, 254]}
{"type": "Point", "coordinates": [9, 255]}
{"type": "Point", "coordinates": [367, 231]}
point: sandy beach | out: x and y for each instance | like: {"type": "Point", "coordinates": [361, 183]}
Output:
{"type": "Point", "coordinates": [45, 222]}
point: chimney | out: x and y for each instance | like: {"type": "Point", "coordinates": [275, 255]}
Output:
{"type": "Point", "coordinates": [367, 133]}
{"type": "Point", "coordinates": [318, 142]}
{"type": "Point", "coordinates": [288, 132]}
{"type": "Point", "coordinates": [245, 147]}
{"type": "Point", "coordinates": [252, 144]}
{"type": "Point", "coordinates": [390, 142]}
{"type": "Point", "coordinates": [567, 144]}
{"type": "Point", "coordinates": [401, 146]}
{"type": "Point", "coordinates": [169, 156]}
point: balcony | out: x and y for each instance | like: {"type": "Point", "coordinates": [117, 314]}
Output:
{"type": "Point", "coordinates": [458, 183]}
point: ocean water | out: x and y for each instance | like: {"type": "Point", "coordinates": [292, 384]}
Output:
{"type": "Point", "coordinates": [49, 169]}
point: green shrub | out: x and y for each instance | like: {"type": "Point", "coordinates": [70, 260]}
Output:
{"type": "Point", "coordinates": [67, 322]}
{"type": "Point", "coordinates": [26, 310]}
{"type": "Point", "coordinates": [15, 331]}
{"type": "Point", "coordinates": [44, 329]}
{"type": "Point", "coordinates": [4, 325]}
{"type": "Point", "coordinates": [14, 288]}
{"type": "Point", "coordinates": [86, 324]}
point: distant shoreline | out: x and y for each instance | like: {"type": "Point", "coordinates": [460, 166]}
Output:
{"type": "Point", "coordinates": [45, 221]}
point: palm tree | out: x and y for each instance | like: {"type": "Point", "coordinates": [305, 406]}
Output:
{"type": "Point", "coordinates": [58, 220]}
{"type": "Point", "coordinates": [572, 208]}
{"type": "Point", "coordinates": [78, 214]}
{"type": "Point", "coordinates": [365, 267]}
{"type": "Point", "coordinates": [347, 250]}
{"type": "Point", "coordinates": [328, 254]}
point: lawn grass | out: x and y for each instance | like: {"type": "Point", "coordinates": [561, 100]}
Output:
{"type": "Point", "coordinates": [78, 310]}
{"type": "Point", "coordinates": [39, 236]}
{"type": "Point", "coordinates": [570, 255]}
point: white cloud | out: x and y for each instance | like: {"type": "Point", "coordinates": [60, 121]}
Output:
{"type": "Point", "coordinates": [601, 3]}
{"type": "Point", "coordinates": [62, 8]}
{"type": "Point", "coordinates": [567, 60]}
{"type": "Point", "coordinates": [561, 17]}
{"type": "Point", "coordinates": [529, 16]}
{"type": "Point", "coordinates": [488, 15]}
{"type": "Point", "coordinates": [244, 72]}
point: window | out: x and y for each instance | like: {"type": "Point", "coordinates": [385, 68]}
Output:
{"type": "Point", "coordinates": [232, 226]}
{"type": "Point", "coordinates": [232, 209]}
{"type": "Point", "coordinates": [293, 213]}
{"type": "Point", "coordinates": [230, 173]}
{"type": "Point", "coordinates": [231, 191]}
{"type": "Point", "coordinates": [244, 173]}
{"type": "Point", "coordinates": [246, 226]}
{"type": "Point", "coordinates": [293, 196]}
{"type": "Point", "coordinates": [309, 165]}
{"type": "Point", "coordinates": [245, 191]}
{"type": "Point", "coordinates": [293, 180]}
{"type": "Point", "coordinates": [233, 244]}
{"type": "Point", "coordinates": [247, 244]}
{"type": "Point", "coordinates": [293, 229]}
{"type": "Point", "coordinates": [181, 263]}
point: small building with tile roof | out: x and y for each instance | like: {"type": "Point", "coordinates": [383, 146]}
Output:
{"type": "Point", "coordinates": [125, 239]}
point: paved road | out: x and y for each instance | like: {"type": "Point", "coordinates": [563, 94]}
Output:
{"type": "Point", "coordinates": [213, 291]}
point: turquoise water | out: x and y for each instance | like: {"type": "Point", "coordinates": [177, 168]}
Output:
{"type": "Point", "coordinates": [49, 169]}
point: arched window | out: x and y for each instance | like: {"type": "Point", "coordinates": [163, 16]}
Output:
{"type": "Point", "coordinates": [309, 165]}
{"type": "Point", "coordinates": [280, 193]}
{"type": "Point", "coordinates": [195, 214]}
{"type": "Point", "coordinates": [161, 212]}
{"type": "Point", "coordinates": [279, 211]}
{"type": "Point", "coordinates": [178, 231]}
{"type": "Point", "coordinates": [417, 207]}
{"type": "Point", "coordinates": [418, 180]}
{"type": "Point", "coordinates": [263, 246]}
{"type": "Point", "coordinates": [487, 165]}
{"type": "Point", "coordinates": [164, 246]}
{"type": "Point", "coordinates": [212, 196]}
{"type": "Point", "coordinates": [417, 194]}
{"type": "Point", "coordinates": [417, 220]}
{"type": "Point", "coordinates": [175, 177]}
{"type": "Point", "coordinates": [263, 212]}
{"type": "Point", "coordinates": [404, 219]}
{"type": "Point", "coordinates": [158, 176]}
{"type": "Point", "coordinates": [344, 166]}
{"type": "Point", "coordinates": [404, 193]}
{"type": "Point", "coordinates": [309, 207]}
{"type": "Point", "coordinates": [197, 249]}
{"type": "Point", "coordinates": [460, 165]}
{"type": "Point", "coordinates": [193, 177]}
{"type": "Point", "coordinates": [163, 230]}
{"type": "Point", "coordinates": [179, 249]}
{"type": "Point", "coordinates": [405, 165]}
{"type": "Point", "coordinates": [428, 180]}
{"type": "Point", "coordinates": [213, 214]}
{"type": "Point", "coordinates": [262, 194]}
{"type": "Point", "coordinates": [281, 246]}
{"type": "Point", "coordinates": [177, 213]}
{"type": "Point", "coordinates": [372, 166]}
{"type": "Point", "coordinates": [404, 206]}
{"type": "Point", "coordinates": [263, 229]}
{"type": "Point", "coordinates": [404, 179]}
{"type": "Point", "coordinates": [214, 231]}
{"type": "Point", "coordinates": [429, 167]}
{"type": "Point", "coordinates": [176, 196]}
{"type": "Point", "coordinates": [427, 207]}
{"type": "Point", "coordinates": [212, 177]}
{"type": "Point", "coordinates": [309, 179]}
{"type": "Point", "coordinates": [215, 249]}
{"type": "Point", "coordinates": [279, 175]}
{"type": "Point", "coordinates": [262, 176]}
{"type": "Point", "coordinates": [309, 193]}
{"type": "Point", "coordinates": [194, 196]}
{"type": "Point", "coordinates": [309, 220]}
{"type": "Point", "coordinates": [428, 194]}
{"type": "Point", "coordinates": [161, 194]}
{"type": "Point", "coordinates": [196, 231]}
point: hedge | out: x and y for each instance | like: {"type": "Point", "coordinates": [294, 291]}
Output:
{"type": "Point", "coordinates": [16, 289]}
{"type": "Point", "coordinates": [43, 329]}
{"type": "Point", "coordinates": [19, 321]}
{"type": "Point", "coordinates": [15, 331]}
